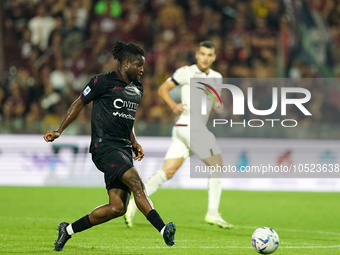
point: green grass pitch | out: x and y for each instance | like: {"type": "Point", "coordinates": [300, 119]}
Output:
{"type": "Point", "coordinates": [307, 222]}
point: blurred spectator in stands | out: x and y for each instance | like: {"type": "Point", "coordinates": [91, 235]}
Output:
{"type": "Point", "coordinates": [61, 79]}
{"type": "Point", "coordinates": [334, 21]}
{"type": "Point", "coordinates": [238, 33]}
{"type": "Point", "coordinates": [195, 16]}
{"type": "Point", "coordinates": [108, 7]}
{"type": "Point", "coordinates": [186, 44]}
{"type": "Point", "coordinates": [93, 34]}
{"type": "Point", "coordinates": [58, 8]}
{"type": "Point", "coordinates": [49, 97]}
{"type": "Point", "coordinates": [101, 49]}
{"type": "Point", "coordinates": [336, 43]}
{"type": "Point", "coordinates": [79, 12]}
{"type": "Point", "coordinates": [222, 68]}
{"type": "Point", "coordinates": [80, 63]}
{"type": "Point", "coordinates": [148, 85]}
{"type": "Point", "coordinates": [239, 37]}
{"type": "Point", "coordinates": [228, 8]}
{"type": "Point", "coordinates": [59, 24]}
{"type": "Point", "coordinates": [170, 18]}
{"type": "Point", "coordinates": [284, 38]}
{"type": "Point", "coordinates": [334, 14]}
{"type": "Point", "coordinates": [243, 9]}
{"type": "Point", "coordinates": [261, 7]}
{"type": "Point", "coordinates": [2, 98]}
{"type": "Point", "coordinates": [6, 119]}
{"type": "Point", "coordinates": [240, 70]}
{"type": "Point", "coordinates": [217, 41]}
{"type": "Point", "coordinates": [36, 90]}
{"type": "Point", "coordinates": [33, 119]}
{"type": "Point", "coordinates": [274, 14]}
{"type": "Point", "coordinates": [24, 78]}
{"type": "Point", "coordinates": [301, 69]}
{"type": "Point", "coordinates": [161, 73]}
{"type": "Point", "coordinates": [73, 38]}
{"type": "Point", "coordinates": [41, 26]}
{"type": "Point", "coordinates": [12, 52]}
{"type": "Point", "coordinates": [53, 117]}
{"type": "Point", "coordinates": [157, 113]}
{"type": "Point", "coordinates": [83, 122]}
{"type": "Point", "coordinates": [14, 107]}
{"type": "Point", "coordinates": [48, 3]}
{"type": "Point", "coordinates": [109, 65]}
{"type": "Point", "coordinates": [262, 37]}
{"type": "Point", "coordinates": [33, 62]}
{"type": "Point", "coordinates": [19, 16]}
{"type": "Point", "coordinates": [212, 23]}
{"type": "Point", "coordinates": [131, 25]}
{"type": "Point", "coordinates": [54, 51]}
{"type": "Point", "coordinates": [270, 57]}
{"type": "Point", "coordinates": [106, 15]}
{"type": "Point", "coordinates": [25, 44]}
{"type": "Point", "coordinates": [228, 52]}
{"type": "Point", "coordinates": [262, 69]}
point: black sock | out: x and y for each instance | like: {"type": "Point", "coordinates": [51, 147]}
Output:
{"type": "Point", "coordinates": [81, 224]}
{"type": "Point", "coordinates": [155, 220]}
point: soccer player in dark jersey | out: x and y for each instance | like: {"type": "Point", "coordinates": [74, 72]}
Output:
{"type": "Point", "coordinates": [115, 96]}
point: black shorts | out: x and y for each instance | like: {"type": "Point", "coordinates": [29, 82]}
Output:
{"type": "Point", "coordinates": [113, 162]}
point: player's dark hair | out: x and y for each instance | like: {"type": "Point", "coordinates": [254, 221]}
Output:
{"type": "Point", "coordinates": [207, 44]}
{"type": "Point", "coordinates": [122, 51]}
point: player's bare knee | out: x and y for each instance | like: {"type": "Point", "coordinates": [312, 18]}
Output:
{"type": "Point", "coordinates": [136, 184]}
{"type": "Point", "coordinates": [117, 210]}
{"type": "Point", "coordinates": [137, 188]}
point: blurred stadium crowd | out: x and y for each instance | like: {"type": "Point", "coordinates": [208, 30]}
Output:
{"type": "Point", "coordinates": [51, 48]}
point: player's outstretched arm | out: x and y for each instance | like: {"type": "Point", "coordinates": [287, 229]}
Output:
{"type": "Point", "coordinates": [71, 114]}
{"type": "Point", "coordinates": [164, 94]}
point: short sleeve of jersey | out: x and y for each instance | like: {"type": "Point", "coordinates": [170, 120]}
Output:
{"type": "Point", "coordinates": [94, 89]}
{"type": "Point", "coordinates": [180, 76]}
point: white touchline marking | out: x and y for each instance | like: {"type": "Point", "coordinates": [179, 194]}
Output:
{"type": "Point", "coordinates": [212, 247]}
{"type": "Point", "coordinates": [295, 230]}
{"type": "Point", "coordinates": [309, 247]}
{"type": "Point", "coordinates": [235, 226]}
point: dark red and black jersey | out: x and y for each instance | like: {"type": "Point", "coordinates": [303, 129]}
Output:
{"type": "Point", "coordinates": [114, 109]}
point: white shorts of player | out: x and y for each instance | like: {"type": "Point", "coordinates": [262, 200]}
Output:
{"type": "Point", "coordinates": [203, 143]}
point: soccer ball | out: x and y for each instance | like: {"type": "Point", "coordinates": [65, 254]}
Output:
{"type": "Point", "coordinates": [265, 240]}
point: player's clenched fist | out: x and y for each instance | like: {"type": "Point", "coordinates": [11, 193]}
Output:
{"type": "Point", "coordinates": [138, 150]}
{"type": "Point", "coordinates": [50, 136]}
{"type": "Point", "coordinates": [178, 108]}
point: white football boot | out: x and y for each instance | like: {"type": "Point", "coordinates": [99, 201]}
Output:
{"type": "Point", "coordinates": [216, 219]}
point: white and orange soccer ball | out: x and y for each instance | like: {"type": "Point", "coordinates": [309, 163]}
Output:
{"type": "Point", "coordinates": [265, 240]}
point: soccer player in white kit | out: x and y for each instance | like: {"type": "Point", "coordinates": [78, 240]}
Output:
{"type": "Point", "coordinates": [206, 149]}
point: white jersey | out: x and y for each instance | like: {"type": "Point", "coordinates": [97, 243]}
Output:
{"type": "Point", "coordinates": [182, 77]}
